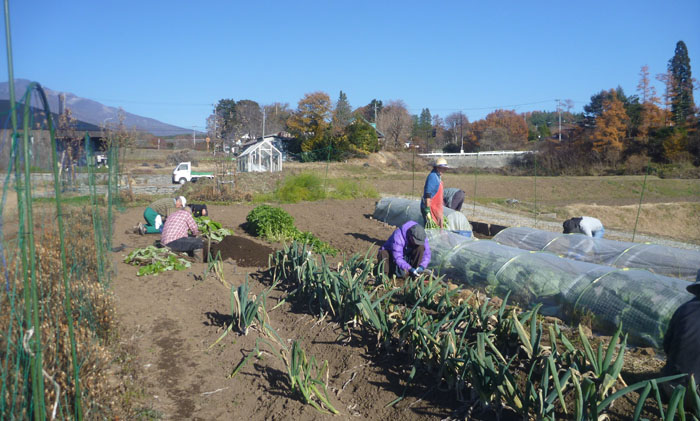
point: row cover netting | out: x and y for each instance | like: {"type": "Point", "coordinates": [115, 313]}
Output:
{"type": "Point", "coordinates": [641, 300]}
{"type": "Point", "coordinates": [55, 235]}
{"type": "Point", "coordinates": [397, 211]}
{"type": "Point", "coordinates": [663, 260]}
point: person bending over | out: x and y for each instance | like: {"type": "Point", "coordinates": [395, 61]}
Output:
{"type": "Point", "coordinates": [157, 212]}
{"type": "Point", "coordinates": [176, 233]}
{"type": "Point", "coordinates": [453, 198]}
{"type": "Point", "coordinates": [586, 225]}
{"type": "Point", "coordinates": [406, 251]}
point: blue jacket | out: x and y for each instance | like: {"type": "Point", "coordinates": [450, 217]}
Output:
{"type": "Point", "coordinates": [398, 244]}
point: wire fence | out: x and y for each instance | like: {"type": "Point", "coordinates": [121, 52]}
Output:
{"type": "Point", "coordinates": [55, 233]}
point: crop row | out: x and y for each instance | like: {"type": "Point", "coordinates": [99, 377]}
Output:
{"type": "Point", "coordinates": [498, 356]}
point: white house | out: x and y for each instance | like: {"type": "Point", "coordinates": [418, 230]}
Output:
{"type": "Point", "coordinates": [262, 156]}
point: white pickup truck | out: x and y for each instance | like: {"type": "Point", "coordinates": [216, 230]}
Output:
{"type": "Point", "coordinates": [183, 173]}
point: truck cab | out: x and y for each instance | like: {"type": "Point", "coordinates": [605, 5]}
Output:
{"type": "Point", "coordinates": [183, 173]}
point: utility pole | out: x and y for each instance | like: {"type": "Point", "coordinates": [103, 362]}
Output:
{"type": "Point", "coordinates": [375, 112]}
{"type": "Point", "coordinates": [559, 111]}
{"type": "Point", "coordinates": [461, 137]}
{"type": "Point", "coordinates": [194, 143]}
{"type": "Point", "coordinates": [263, 128]}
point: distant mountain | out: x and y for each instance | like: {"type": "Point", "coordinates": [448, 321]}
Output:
{"type": "Point", "coordinates": [92, 112]}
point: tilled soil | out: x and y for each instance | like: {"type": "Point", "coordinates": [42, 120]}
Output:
{"type": "Point", "coordinates": [172, 320]}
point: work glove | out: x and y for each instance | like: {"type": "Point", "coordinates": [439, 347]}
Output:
{"type": "Point", "coordinates": [420, 269]}
{"type": "Point", "coordinates": [413, 272]}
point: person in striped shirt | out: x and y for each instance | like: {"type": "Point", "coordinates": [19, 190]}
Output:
{"type": "Point", "coordinates": [176, 233]}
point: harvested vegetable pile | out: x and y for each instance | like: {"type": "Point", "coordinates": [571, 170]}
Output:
{"type": "Point", "coordinates": [154, 260]}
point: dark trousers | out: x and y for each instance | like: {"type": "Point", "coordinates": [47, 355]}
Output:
{"type": "Point", "coordinates": [186, 244]}
{"type": "Point", "coordinates": [457, 201]}
{"type": "Point", "coordinates": [413, 257]}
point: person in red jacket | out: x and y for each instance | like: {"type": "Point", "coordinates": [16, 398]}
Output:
{"type": "Point", "coordinates": [432, 202]}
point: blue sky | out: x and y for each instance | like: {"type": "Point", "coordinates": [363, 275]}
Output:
{"type": "Point", "coordinates": [173, 60]}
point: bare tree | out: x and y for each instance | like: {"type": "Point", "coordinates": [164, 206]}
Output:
{"type": "Point", "coordinates": [276, 116]}
{"type": "Point", "coordinates": [396, 123]}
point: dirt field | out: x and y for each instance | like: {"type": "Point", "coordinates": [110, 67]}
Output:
{"type": "Point", "coordinates": [169, 322]}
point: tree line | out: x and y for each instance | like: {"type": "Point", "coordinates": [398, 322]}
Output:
{"type": "Point", "coordinates": [613, 129]}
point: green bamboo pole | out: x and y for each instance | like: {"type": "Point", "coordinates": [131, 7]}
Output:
{"type": "Point", "coordinates": [641, 197]}
{"type": "Point", "coordinates": [328, 161]}
{"type": "Point", "coordinates": [67, 302]}
{"type": "Point", "coordinates": [413, 187]}
{"type": "Point", "coordinates": [476, 170]}
{"type": "Point", "coordinates": [37, 365]}
{"type": "Point", "coordinates": [536, 213]}
{"type": "Point", "coordinates": [97, 231]}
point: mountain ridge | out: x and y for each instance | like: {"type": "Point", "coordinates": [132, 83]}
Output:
{"type": "Point", "coordinates": [93, 112]}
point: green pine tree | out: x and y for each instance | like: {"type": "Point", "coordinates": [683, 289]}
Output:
{"type": "Point", "coordinates": [682, 104]}
{"type": "Point", "coordinates": [342, 114]}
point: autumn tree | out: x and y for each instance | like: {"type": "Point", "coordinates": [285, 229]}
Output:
{"type": "Point", "coordinates": [651, 115]}
{"type": "Point", "coordinates": [276, 116]}
{"type": "Point", "coordinates": [503, 129]}
{"type": "Point", "coordinates": [396, 124]}
{"type": "Point", "coordinates": [682, 104]}
{"type": "Point", "coordinates": [311, 119]}
{"type": "Point", "coordinates": [611, 125]}
{"type": "Point", "coordinates": [371, 111]}
{"type": "Point", "coordinates": [342, 113]}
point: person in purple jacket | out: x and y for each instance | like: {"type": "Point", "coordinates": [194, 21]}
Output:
{"type": "Point", "coordinates": [406, 251]}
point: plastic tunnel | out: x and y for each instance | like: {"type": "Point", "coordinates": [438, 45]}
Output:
{"type": "Point", "coordinates": [662, 260]}
{"type": "Point", "coordinates": [397, 211]}
{"type": "Point", "coordinates": [641, 300]}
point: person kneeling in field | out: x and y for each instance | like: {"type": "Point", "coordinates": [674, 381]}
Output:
{"type": "Point", "coordinates": [157, 212]}
{"type": "Point", "coordinates": [586, 225]}
{"type": "Point", "coordinates": [176, 234]}
{"type": "Point", "coordinates": [406, 251]}
{"type": "Point", "coordinates": [682, 341]}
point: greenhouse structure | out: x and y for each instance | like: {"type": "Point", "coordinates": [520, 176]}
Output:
{"type": "Point", "coordinates": [260, 157]}
{"type": "Point", "coordinates": [641, 300]}
{"type": "Point", "coordinates": [664, 260]}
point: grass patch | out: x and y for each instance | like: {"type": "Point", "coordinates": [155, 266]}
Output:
{"type": "Point", "coordinates": [309, 187]}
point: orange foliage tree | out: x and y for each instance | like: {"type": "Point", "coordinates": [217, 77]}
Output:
{"type": "Point", "coordinates": [611, 125]}
{"type": "Point", "coordinates": [502, 129]}
{"type": "Point", "coordinates": [309, 122]}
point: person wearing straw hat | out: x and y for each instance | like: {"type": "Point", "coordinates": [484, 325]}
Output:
{"type": "Point", "coordinates": [432, 201]}
{"type": "Point", "coordinates": [682, 340]}
{"type": "Point", "coordinates": [406, 251]}
{"type": "Point", "coordinates": [156, 213]}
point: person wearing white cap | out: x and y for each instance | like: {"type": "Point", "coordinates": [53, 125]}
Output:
{"type": "Point", "coordinates": [156, 213]}
{"type": "Point", "coordinates": [432, 202]}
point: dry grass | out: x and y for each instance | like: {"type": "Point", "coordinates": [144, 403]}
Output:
{"type": "Point", "coordinates": [94, 318]}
